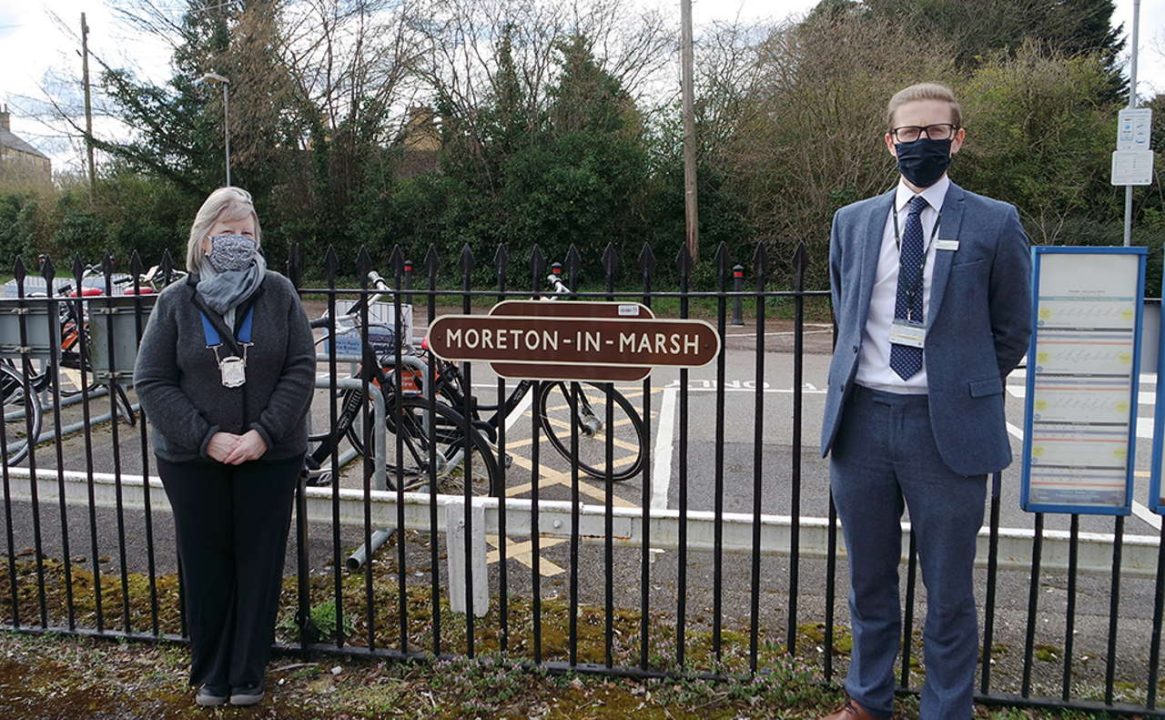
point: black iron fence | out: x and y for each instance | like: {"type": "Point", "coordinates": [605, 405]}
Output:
{"type": "Point", "coordinates": [675, 525]}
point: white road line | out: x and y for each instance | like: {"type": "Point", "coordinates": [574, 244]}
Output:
{"type": "Point", "coordinates": [661, 474]}
{"type": "Point", "coordinates": [1015, 432]}
{"type": "Point", "coordinates": [1151, 518]}
{"type": "Point", "coordinates": [521, 409]}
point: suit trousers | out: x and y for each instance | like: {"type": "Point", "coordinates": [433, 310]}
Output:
{"type": "Point", "coordinates": [232, 523]}
{"type": "Point", "coordinates": [883, 460]}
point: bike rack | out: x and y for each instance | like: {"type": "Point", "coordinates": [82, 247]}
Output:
{"type": "Point", "coordinates": [42, 340]}
{"type": "Point", "coordinates": [113, 335]}
{"type": "Point", "coordinates": [41, 337]}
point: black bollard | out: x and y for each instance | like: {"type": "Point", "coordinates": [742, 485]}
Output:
{"type": "Point", "coordinates": [737, 286]}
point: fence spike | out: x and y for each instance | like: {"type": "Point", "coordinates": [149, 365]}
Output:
{"type": "Point", "coordinates": [48, 272]}
{"type": "Point", "coordinates": [107, 265]}
{"type": "Point", "coordinates": [760, 262]}
{"type": "Point", "coordinates": [502, 258]}
{"type": "Point", "coordinates": [466, 259]}
{"type": "Point", "coordinates": [331, 265]}
{"type": "Point", "coordinates": [165, 265]}
{"type": "Point", "coordinates": [647, 260]}
{"type": "Point", "coordinates": [78, 268]}
{"type": "Point", "coordinates": [801, 257]}
{"type": "Point", "coordinates": [684, 261]}
{"type": "Point", "coordinates": [396, 259]}
{"type": "Point", "coordinates": [610, 261]}
{"type": "Point", "coordinates": [19, 271]}
{"type": "Point", "coordinates": [502, 263]}
{"type": "Point", "coordinates": [722, 259]}
{"type": "Point", "coordinates": [363, 265]}
{"type": "Point", "coordinates": [432, 260]}
{"type": "Point", "coordinates": [135, 264]}
{"type": "Point", "coordinates": [572, 261]}
{"type": "Point", "coordinates": [537, 265]}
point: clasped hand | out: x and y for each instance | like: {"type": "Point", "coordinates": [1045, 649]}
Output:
{"type": "Point", "coordinates": [230, 449]}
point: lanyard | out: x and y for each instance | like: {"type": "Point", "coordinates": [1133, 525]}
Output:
{"type": "Point", "coordinates": [211, 334]}
{"type": "Point", "coordinates": [917, 284]}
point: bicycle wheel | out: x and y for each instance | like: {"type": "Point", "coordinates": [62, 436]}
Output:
{"type": "Point", "coordinates": [555, 406]}
{"type": "Point", "coordinates": [21, 405]}
{"type": "Point", "coordinates": [427, 429]}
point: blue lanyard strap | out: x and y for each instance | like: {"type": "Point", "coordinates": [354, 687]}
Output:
{"type": "Point", "coordinates": [211, 334]}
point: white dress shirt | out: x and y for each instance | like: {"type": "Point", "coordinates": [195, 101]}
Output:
{"type": "Point", "coordinates": [874, 361]}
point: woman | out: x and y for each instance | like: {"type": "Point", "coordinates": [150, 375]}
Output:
{"type": "Point", "coordinates": [225, 374]}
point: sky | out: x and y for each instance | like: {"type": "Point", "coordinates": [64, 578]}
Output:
{"type": "Point", "coordinates": [38, 52]}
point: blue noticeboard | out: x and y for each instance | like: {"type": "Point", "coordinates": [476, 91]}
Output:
{"type": "Point", "coordinates": [1083, 366]}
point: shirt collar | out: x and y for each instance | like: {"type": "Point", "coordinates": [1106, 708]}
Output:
{"type": "Point", "coordinates": [934, 194]}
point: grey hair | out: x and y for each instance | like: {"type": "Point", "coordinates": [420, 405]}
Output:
{"type": "Point", "coordinates": [226, 202]}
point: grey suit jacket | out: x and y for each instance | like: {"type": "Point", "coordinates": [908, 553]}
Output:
{"type": "Point", "coordinates": [978, 323]}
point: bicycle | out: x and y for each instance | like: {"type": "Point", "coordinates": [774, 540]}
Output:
{"type": "Point", "coordinates": [435, 415]}
{"type": "Point", "coordinates": [431, 435]}
{"type": "Point", "coordinates": [152, 281]}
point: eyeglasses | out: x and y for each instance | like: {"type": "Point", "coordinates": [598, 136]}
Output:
{"type": "Point", "coordinates": [910, 133]}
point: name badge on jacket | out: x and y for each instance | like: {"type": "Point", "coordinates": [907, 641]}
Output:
{"type": "Point", "coordinates": [910, 334]}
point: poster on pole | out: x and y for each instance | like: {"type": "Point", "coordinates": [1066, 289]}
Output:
{"type": "Point", "coordinates": [1083, 365]}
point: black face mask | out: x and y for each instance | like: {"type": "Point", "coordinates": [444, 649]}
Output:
{"type": "Point", "coordinates": [923, 161]}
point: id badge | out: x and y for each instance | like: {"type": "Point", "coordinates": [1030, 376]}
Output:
{"type": "Point", "coordinates": [910, 334]}
{"type": "Point", "coordinates": [234, 372]}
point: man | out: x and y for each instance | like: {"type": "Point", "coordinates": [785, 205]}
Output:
{"type": "Point", "coordinates": [930, 288]}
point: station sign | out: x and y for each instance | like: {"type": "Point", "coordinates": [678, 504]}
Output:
{"type": "Point", "coordinates": [597, 341]}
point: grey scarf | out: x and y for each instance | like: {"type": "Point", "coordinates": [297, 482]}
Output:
{"type": "Point", "coordinates": [224, 291]}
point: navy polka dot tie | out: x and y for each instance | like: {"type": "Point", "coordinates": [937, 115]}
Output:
{"type": "Point", "coordinates": [906, 360]}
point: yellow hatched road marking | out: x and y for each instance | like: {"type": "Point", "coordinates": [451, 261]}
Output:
{"type": "Point", "coordinates": [549, 478]}
{"type": "Point", "coordinates": [523, 552]}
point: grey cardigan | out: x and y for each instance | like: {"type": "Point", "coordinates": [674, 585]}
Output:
{"type": "Point", "coordinates": [180, 386]}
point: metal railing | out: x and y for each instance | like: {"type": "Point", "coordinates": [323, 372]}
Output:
{"type": "Point", "coordinates": [719, 558]}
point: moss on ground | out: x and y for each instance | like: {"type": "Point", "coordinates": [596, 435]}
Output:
{"type": "Point", "coordinates": [48, 675]}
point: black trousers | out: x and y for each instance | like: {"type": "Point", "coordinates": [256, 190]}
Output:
{"type": "Point", "coordinates": [232, 523]}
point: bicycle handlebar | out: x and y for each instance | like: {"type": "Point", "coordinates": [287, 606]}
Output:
{"type": "Point", "coordinates": [555, 281]}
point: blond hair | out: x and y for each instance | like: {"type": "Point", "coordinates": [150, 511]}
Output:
{"type": "Point", "coordinates": [923, 91]}
{"type": "Point", "coordinates": [230, 203]}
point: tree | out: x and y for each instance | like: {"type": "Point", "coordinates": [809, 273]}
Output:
{"type": "Point", "coordinates": [809, 137]}
{"type": "Point", "coordinates": [1039, 138]}
{"type": "Point", "coordinates": [979, 29]}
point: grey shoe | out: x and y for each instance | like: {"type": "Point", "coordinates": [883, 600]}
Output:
{"type": "Point", "coordinates": [209, 697]}
{"type": "Point", "coordinates": [249, 695]}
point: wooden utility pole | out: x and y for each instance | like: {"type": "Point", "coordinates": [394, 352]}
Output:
{"type": "Point", "coordinates": [691, 212]}
{"type": "Point", "coordinates": [88, 105]}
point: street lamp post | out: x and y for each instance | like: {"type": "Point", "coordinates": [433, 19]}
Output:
{"type": "Point", "coordinates": [226, 125]}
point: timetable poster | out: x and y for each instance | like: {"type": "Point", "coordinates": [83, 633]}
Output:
{"type": "Point", "coordinates": [1082, 371]}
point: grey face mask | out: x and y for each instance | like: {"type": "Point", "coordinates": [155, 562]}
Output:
{"type": "Point", "coordinates": [231, 252]}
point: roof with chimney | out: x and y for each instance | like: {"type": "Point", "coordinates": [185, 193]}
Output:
{"type": "Point", "coordinates": [8, 140]}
